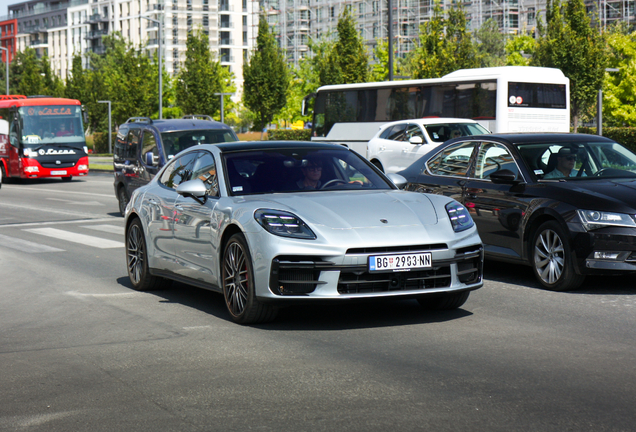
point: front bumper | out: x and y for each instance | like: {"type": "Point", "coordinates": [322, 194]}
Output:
{"type": "Point", "coordinates": [328, 276]}
{"type": "Point", "coordinates": [605, 250]}
{"type": "Point", "coordinates": [31, 168]}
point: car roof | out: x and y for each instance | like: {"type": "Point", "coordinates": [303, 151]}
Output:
{"type": "Point", "coordinates": [535, 137]}
{"type": "Point", "coordinates": [431, 121]}
{"type": "Point", "coordinates": [173, 125]}
{"type": "Point", "coordinates": [271, 145]}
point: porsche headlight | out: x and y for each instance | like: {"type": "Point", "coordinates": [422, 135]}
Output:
{"type": "Point", "coordinates": [594, 219]}
{"type": "Point", "coordinates": [459, 216]}
{"type": "Point", "coordinates": [283, 224]}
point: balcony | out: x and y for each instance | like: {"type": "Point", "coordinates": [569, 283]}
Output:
{"type": "Point", "coordinates": [226, 41]}
{"type": "Point", "coordinates": [96, 18]}
{"type": "Point", "coordinates": [96, 34]}
{"type": "Point", "coordinates": [39, 43]}
{"type": "Point", "coordinates": [98, 49]}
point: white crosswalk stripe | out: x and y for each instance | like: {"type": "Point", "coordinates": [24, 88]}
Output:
{"type": "Point", "coordinates": [25, 245]}
{"type": "Point", "coordinates": [113, 229]}
{"type": "Point", "coordinates": [83, 239]}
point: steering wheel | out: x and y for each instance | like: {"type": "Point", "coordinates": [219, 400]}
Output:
{"type": "Point", "coordinates": [598, 173]}
{"type": "Point", "coordinates": [332, 182]}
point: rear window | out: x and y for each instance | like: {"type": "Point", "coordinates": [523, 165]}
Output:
{"type": "Point", "coordinates": [175, 142]}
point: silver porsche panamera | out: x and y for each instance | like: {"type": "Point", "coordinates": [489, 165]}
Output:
{"type": "Point", "coordinates": [268, 224]}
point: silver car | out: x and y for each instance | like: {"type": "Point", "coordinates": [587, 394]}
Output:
{"type": "Point", "coordinates": [268, 224]}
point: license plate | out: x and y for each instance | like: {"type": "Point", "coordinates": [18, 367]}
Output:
{"type": "Point", "coordinates": [402, 262]}
{"type": "Point", "coordinates": [58, 172]}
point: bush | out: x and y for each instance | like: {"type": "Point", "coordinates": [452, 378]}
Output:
{"type": "Point", "coordinates": [623, 135]}
{"type": "Point", "coordinates": [100, 142]}
{"type": "Point", "coordinates": [289, 134]}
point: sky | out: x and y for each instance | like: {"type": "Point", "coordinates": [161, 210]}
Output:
{"type": "Point", "coordinates": [4, 10]}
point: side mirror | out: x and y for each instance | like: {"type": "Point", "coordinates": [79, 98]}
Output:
{"type": "Point", "coordinates": [193, 189]}
{"type": "Point", "coordinates": [503, 176]}
{"type": "Point", "coordinates": [416, 140]}
{"type": "Point", "coordinates": [150, 159]}
{"type": "Point", "coordinates": [397, 180]}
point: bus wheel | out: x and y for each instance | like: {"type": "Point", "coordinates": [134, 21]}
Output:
{"type": "Point", "coordinates": [67, 179]}
{"type": "Point", "coordinates": [1, 174]}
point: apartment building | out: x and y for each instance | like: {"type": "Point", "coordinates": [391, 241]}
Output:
{"type": "Point", "coordinates": [61, 29]}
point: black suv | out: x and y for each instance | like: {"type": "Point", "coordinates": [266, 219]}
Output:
{"type": "Point", "coordinates": [144, 146]}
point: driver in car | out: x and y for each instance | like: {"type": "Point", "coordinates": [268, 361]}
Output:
{"type": "Point", "coordinates": [566, 158]}
{"type": "Point", "coordinates": [311, 175]}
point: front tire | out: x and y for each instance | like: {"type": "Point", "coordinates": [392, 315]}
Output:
{"type": "Point", "coordinates": [238, 285]}
{"type": "Point", "coordinates": [67, 179]}
{"type": "Point", "coordinates": [137, 260]}
{"type": "Point", "coordinates": [445, 302]}
{"type": "Point", "coordinates": [552, 259]}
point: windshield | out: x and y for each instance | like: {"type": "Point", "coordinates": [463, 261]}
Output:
{"type": "Point", "coordinates": [441, 132]}
{"type": "Point", "coordinates": [174, 142]}
{"type": "Point", "coordinates": [50, 124]}
{"type": "Point", "coordinates": [299, 170]}
{"type": "Point", "coordinates": [579, 160]}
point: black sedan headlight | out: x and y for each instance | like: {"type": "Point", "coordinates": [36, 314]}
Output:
{"type": "Point", "coordinates": [283, 224]}
{"type": "Point", "coordinates": [594, 219]}
{"type": "Point", "coordinates": [459, 216]}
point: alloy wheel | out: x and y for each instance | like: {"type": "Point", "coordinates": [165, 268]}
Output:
{"type": "Point", "coordinates": [236, 279]}
{"type": "Point", "coordinates": [135, 254]}
{"type": "Point", "coordinates": [549, 257]}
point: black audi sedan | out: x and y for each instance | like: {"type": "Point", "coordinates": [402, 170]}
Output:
{"type": "Point", "coordinates": [564, 204]}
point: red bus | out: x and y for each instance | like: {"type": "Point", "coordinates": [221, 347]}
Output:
{"type": "Point", "coordinates": [41, 137]}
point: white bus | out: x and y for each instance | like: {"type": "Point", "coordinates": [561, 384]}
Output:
{"type": "Point", "coordinates": [502, 99]}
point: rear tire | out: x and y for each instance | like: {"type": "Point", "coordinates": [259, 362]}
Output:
{"type": "Point", "coordinates": [137, 260]}
{"type": "Point", "coordinates": [445, 302]}
{"type": "Point", "coordinates": [378, 165]}
{"type": "Point", "coordinates": [238, 285]}
{"type": "Point", "coordinates": [122, 197]}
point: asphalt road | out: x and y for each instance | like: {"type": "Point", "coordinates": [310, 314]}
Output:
{"type": "Point", "coordinates": [81, 351]}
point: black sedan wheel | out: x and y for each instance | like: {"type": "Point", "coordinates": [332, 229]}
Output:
{"type": "Point", "coordinates": [137, 260]}
{"type": "Point", "coordinates": [122, 197]}
{"type": "Point", "coordinates": [552, 259]}
{"type": "Point", "coordinates": [238, 285]}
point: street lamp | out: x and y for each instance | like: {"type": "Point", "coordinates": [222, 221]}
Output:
{"type": "Point", "coordinates": [110, 140]}
{"type": "Point", "coordinates": [599, 106]}
{"type": "Point", "coordinates": [160, 69]}
{"type": "Point", "coordinates": [222, 94]}
{"type": "Point", "coordinates": [7, 63]}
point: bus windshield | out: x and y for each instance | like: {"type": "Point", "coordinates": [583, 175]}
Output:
{"type": "Point", "coordinates": [51, 124]}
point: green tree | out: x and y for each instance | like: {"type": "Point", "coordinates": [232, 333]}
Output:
{"type": "Point", "coordinates": [619, 99]}
{"type": "Point", "coordinates": [349, 51]}
{"type": "Point", "coordinates": [445, 45]}
{"type": "Point", "coordinates": [571, 44]}
{"type": "Point", "coordinates": [491, 46]}
{"type": "Point", "coordinates": [520, 50]}
{"type": "Point", "coordinates": [52, 85]}
{"type": "Point", "coordinates": [200, 78]}
{"type": "Point", "coordinates": [25, 75]}
{"type": "Point", "coordinates": [265, 77]}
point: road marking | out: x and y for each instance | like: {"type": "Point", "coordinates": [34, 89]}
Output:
{"type": "Point", "coordinates": [40, 210]}
{"type": "Point", "coordinates": [25, 245]}
{"type": "Point", "coordinates": [76, 238]}
{"type": "Point", "coordinates": [81, 203]}
{"type": "Point", "coordinates": [113, 229]}
{"type": "Point", "coordinates": [18, 225]}
{"type": "Point", "coordinates": [65, 192]}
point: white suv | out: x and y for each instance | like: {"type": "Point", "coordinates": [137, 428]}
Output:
{"type": "Point", "coordinates": [398, 144]}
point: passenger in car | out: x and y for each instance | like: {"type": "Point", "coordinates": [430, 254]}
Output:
{"type": "Point", "coordinates": [312, 172]}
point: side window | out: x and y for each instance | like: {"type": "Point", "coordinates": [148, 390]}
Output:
{"type": "Point", "coordinates": [413, 130]}
{"type": "Point", "coordinates": [453, 160]}
{"type": "Point", "coordinates": [397, 132]}
{"type": "Point", "coordinates": [120, 144]}
{"type": "Point", "coordinates": [149, 144]}
{"type": "Point", "coordinates": [205, 170]}
{"type": "Point", "coordinates": [178, 171]}
{"type": "Point", "coordinates": [133, 142]}
{"type": "Point", "coordinates": [492, 158]}
{"type": "Point", "coordinates": [385, 133]}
